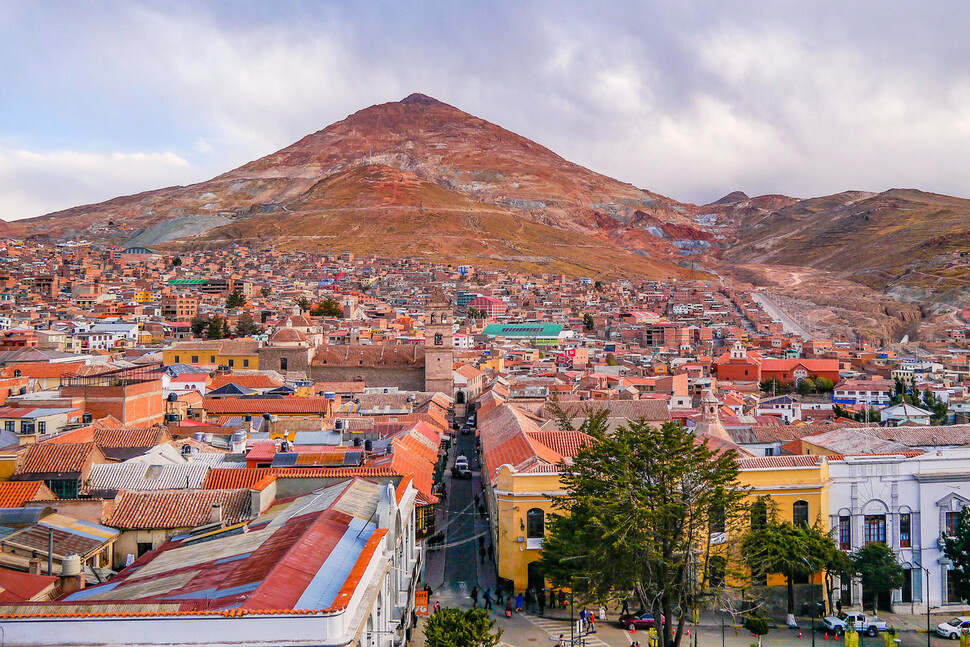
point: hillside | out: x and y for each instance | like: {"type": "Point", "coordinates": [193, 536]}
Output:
{"type": "Point", "coordinates": [498, 195]}
{"type": "Point", "coordinates": [901, 237]}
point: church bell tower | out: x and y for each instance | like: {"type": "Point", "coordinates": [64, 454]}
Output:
{"type": "Point", "coordinates": [438, 345]}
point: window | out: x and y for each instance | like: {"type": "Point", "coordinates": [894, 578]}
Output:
{"type": "Point", "coordinates": [195, 359]}
{"type": "Point", "coordinates": [535, 528]}
{"type": "Point", "coordinates": [875, 528]}
{"type": "Point", "coordinates": [10, 425]}
{"type": "Point", "coordinates": [282, 363]}
{"type": "Point", "coordinates": [177, 359]}
{"type": "Point", "coordinates": [845, 533]}
{"type": "Point", "coordinates": [245, 363]}
{"type": "Point", "coordinates": [438, 339]}
{"type": "Point", "coordinates": [212, 359]}
{"type": "Point", "coordinates": [769, 451]}
{"type": "Point", "coordinates": [799, 513]}
{"type": "Point", "coordinates": [42, 427]}
{"type": "Point", "coordinates": [232, 363]}
{"type": "Point", "coordinates": [26, 426]}
{"type": "Point", "coordinates": [951, 521]}
{"type": "Point", "coordinates": [144, 547]}
{"type": "Point", "coordinates": [904, 530]}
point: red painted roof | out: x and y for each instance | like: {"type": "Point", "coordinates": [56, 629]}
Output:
{"type": "Point", "coordinates": [567, 443]}
{"type": "Point", "coordinates": [23, 587]}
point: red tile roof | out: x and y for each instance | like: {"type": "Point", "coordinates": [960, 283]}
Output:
{"type": "Point", "coordinates": [48, 458]}
{"type": "Point", "coordinates": [778, 462]}
{"type": "Point", "coordinates": [246, 381]}
{"type": "Point", "coordinates": [315, 405]}
{"type": "Point", "coordinates": [567, 443]}
{"type": "Point", "coordinates": [162, 509]}
{"type": "Point", "coordinates": [13, 494]}
{"type": "Point", "coordinates": [227, 478]}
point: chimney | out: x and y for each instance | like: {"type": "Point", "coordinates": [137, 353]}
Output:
{"type": "Point", "coordinates": [216, 513]}
{"type": "Point", "coordinates": [33, 566]}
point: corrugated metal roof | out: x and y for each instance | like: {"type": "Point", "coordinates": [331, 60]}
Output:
{"type": "Point", "coordinates": [114, 477]}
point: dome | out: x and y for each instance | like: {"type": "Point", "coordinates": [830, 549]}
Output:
{"type": "Point", "coordinates": [288, 336]}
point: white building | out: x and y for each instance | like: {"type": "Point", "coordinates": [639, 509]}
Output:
{"type": "Point", "coordinates": [906, 502]}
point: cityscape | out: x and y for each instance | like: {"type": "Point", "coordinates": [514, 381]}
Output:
{"type": "Point", "coordinates": [416, 378]}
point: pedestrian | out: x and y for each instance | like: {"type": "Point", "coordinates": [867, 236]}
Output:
{"type": "Point", "coordinates": [508, 607]}
{"type": "Point", "coordinates": [437, 606]}
{"type": "Point", "coordinates": [481, 510]}
{"type": "Point", "coordinates": [591, 621]}
{"type": "Point", "coordinates": [481, 553]}
{"type": "Point", "coordinates": [491, 552]}
{"type": "Point", "coordinates": [552, 599]}
{"type": "Point", "coordinates": [499, 595]}
{"type": "Point", "coordinates": [477, 501]}
{"type": "Point", "coordinates": [529, 600]}
{"type": "Point", "coordinates": [562, 640]}
{"type": "Point", "coordinates": [602, 617]}
{"type": "Point", "coordinates": [562, 599]}
{"type": "Point", "coordinates": [542, 601]}
{"type": "Point", "coordinates": [583, 619]}
{"type": "Point", "coordinates": [518, 603]}
{"type": "Point", "coordinates": [626, 607]}
{"type": "Point", "coordinates": [474, 596]}
{"type": "Point", "coordinates": [488, 599]}
{"type": "Point", "coordinates": [427, 587]}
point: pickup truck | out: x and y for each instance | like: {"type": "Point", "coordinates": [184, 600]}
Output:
{"type": "Point", "coordinates": [869, 625]}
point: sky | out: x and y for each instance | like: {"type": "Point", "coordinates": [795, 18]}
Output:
{"type": "Point", "coordinates": [692, 100]}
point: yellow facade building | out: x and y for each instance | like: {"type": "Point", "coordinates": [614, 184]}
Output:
{"type": "Point", "coordinates": [240, 354]}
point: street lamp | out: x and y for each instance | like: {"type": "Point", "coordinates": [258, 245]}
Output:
{"type": "Point", "coordinates": [926, 596]}
{"type": "Point", "coordinates": [812, 586]}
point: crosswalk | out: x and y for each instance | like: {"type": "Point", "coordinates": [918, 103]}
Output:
{"type": "Point", "coordinates": [555, 627]}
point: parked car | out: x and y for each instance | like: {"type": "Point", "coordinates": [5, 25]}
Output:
{"type": "Point", "coordinates": [639, 620]}
{"type": "Point", "coordinates": [953, 628]}
{"type": "Point", "coordinates": [461, 461]}
{"type": "Point", "coordinates": [862, 623]}
{"type": "Point", "coordinates": [461, 472]}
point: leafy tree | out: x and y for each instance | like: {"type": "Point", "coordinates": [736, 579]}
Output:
{"type": "Point", "coordinates": [758, 625]}
{"type": "Point", "coordinates": [199, 324]}
{"type": "Point", "coordinates": [642, 503]}
{"type": "Point", "coordinates": [266, 291]}
{"type": "Point", "coordinates": [957, 550]}
{"type": "Point", "coordinates": [236, 299]}
{"type": "Point", "coordinates": [880, 571]}
{"type": "Point", "coordinates": [303, 304]}
{"type": "Point", "coordinates": [611, 359]}
{"type": "Point", "coordinates": [451, 627]}
{"type": "Point", "coordinates": [246, 327]}
{"type": "Point", "coordinates": [176, 262]}
{"type": "Point", "coordinates": [806, 386]}
{"type": "Point", "coordinates": [216, 328]}
{"type": "Point", "coordinates": [475, 313]}
{"type": "Point", "coordinates": [774, 386]}
{"type": "Point", "coordinates": [938, 407]}
{"type": "Point", "coordinates": [824, 385]}
{"type": "Point", "coordinates": [776, 546]}
{"type": "Point", "coordinates": [588, 321]}
{"type": "Point", "coordinates": [329, 307]}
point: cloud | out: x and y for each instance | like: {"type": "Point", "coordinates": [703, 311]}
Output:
{"type": "Point", "coordinates": [690, 100]}
{"type": "Point", "coordinates": [33, 183]}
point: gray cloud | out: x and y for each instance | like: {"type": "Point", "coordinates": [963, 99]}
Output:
{"type": "Point", "coordinates": [688, 99]}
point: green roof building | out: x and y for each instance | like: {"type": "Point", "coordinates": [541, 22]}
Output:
{"type": "Point", "coordinates": [541, 334]}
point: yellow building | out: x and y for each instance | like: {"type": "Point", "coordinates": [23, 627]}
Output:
{"type": "Point", "coordinates": [233, 353]}
{"type": "Point", "coordinates": [520, 471]}
{"type": "Point", "coordinates": [798, 486]}
{"type": "Point", "coordinates": [143, 296]}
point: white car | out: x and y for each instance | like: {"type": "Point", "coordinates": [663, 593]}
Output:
{"type": "Point", "coordinates": [953, 628]}
{"type": "Point", "coordinates": [462, 462]}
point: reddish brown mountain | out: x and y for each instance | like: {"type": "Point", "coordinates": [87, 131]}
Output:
{"type": "Point", "coordinates": [368, 181]}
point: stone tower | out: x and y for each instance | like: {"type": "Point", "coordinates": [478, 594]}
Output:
{"type": "Point", "coordinates": [438, 346]}
{"type": "Point", "coordinates": [710, 422]}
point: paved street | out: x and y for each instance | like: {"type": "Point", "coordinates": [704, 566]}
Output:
{"type": "Point", "coordinates": [456, 569]}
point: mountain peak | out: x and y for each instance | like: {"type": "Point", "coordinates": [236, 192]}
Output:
{"type": "Point", "coordinates": [418, 99]}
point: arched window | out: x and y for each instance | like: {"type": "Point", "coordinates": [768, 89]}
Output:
{"type": "Point", "coordinates": [444, 318]}
{"type": "Point", "coordinates": [432, 318]}
{"type": "Point", "coordinates": [535, 527]}
{"type": "Point", "coordinates": [460, 397]}
{"type": "Point", "coordinates": [799, 513]}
